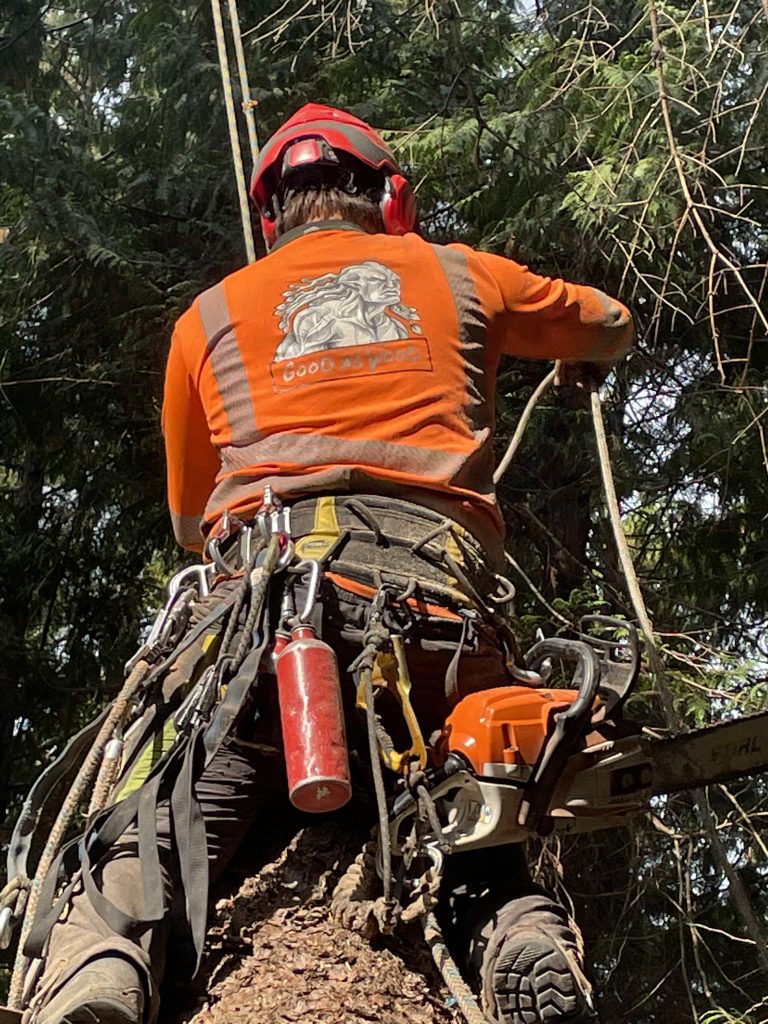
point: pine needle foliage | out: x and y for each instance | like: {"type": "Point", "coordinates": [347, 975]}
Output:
{"type": "Point", "coordinates": [620, 143]}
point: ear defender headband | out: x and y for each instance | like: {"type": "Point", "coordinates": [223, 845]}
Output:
{"type": "Point", "coordinates": [307, 149]}
{"type": "Point", "coordinates": [397, 204]}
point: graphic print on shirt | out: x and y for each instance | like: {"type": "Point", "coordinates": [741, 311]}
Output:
{"type": "Point", "coordinates": [349, 324]}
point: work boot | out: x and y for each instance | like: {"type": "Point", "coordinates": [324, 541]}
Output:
{"type": "Point", "coordinates": [528, 959]}
{"type": "Point", "coordinates": [107, 990]}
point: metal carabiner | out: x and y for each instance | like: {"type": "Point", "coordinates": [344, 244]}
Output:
{"type": "Point", "coordinates": [164, 619]}
{"type": "Point", "coordinates": [315, 570]}
{"type": "Point", "coordinates": [162, 628]}
{"type": "Point", "coordinates": [200, 573]}
{"type": "Point", "coordinates": [273, 517]}
{"type": "Point", "coordinates": [286, 555]}
{"type": "Point", "coordinates": [213, 552]}
{"type": "Point", "coordinates": [437, 856]}
{"type": "Point", "coordinates": [229, 524]}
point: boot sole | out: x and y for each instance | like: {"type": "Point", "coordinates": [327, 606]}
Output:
{"type": "Point", "coordinates": [100, 1011]}
{"type": "Point", "coordinates": [534, 984]}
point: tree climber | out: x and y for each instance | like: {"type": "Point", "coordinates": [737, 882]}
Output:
{"type": "Point", "coordinates": [352, 372]}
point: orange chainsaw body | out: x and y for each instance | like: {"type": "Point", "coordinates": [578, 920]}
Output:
{"type": "Point", "coordinates": [507, 725]}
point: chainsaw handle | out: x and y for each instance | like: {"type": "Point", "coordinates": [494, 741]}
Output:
{"type": "Point", "coordinates": [618, 675]}
{"type": "Point", "coordinates": [577, 653]}
{"type": "Point", "coordinates": [569, 726]}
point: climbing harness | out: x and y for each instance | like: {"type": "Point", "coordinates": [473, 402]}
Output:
{"type": "Point", "coordinates": [189, 682]}
{"type": "Point", "coordinates": [365, 547]}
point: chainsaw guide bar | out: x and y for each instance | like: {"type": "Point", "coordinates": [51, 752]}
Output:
{"type": "Point", "coordinates": [716, 753]}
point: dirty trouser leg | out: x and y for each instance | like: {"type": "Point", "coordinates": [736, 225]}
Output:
{"type": "Point", "coordinates": [234, 789]}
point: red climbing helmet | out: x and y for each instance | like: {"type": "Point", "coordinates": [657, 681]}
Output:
{"type": "Point", "coordinates": [314, 137]}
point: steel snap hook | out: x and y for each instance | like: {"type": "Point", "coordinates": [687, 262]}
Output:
{"type": "Point", "coordinates": [315, 570]}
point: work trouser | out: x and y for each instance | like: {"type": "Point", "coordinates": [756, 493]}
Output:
{"type": "Point", "coordinates": [239, 785]}
{"type": "Point", "coordinates": [242, 780]}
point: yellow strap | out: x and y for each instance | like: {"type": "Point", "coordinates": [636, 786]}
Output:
{"type": "Point", "coordinates": [418, 748]}
{"type": "Point", "coordinates": [391, 672]}
{"type": "Point", "coordinates": [162, 741]}
{"type": "Point", "coordinates": [325, 531]}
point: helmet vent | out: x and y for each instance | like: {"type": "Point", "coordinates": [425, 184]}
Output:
{"type": "Point", "coordinates": [313, 163]}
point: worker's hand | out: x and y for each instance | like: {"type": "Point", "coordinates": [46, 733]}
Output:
{"type": "Point", "coordinates": [580, 375]}
{"type": "Point", "coordinates": [578, 379]}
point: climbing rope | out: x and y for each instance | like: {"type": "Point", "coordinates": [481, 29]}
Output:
{"type": "Point", "coordinates": [375, 640]}
{"type": "Point", "coordinates": [614, 514]}
{"type": "Point", "coordinates": [248, 104]}
{"type": "Point", "coordinates": [234, 137]}
{"type": "Point", "coordinates": [354, 905]}
{"type": "Point", "coordinates": [459, 989]}
{"type": "Point", "coordinates": [517, 437]}
{"type": "Point", "coordinates": [611, 501]}
{"type": "Point", "coordinates": [117, 714]}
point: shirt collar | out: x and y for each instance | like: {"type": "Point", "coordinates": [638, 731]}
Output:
{"type": "Point", "coordinates": [314, 226]}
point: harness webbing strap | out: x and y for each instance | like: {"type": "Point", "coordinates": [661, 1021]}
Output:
{"type": "Point", "coordinates": [108, 826]}
{"type": "Point", "coordinates": [237, 693]}
{"type": "Point", "coordinates": [149, 854]}
{"type": "Point", "coordinates": [452, 672]}
{"type": "Point", "coordinates": [250, 650]}
{"type": "Point", "coordinates": [34, 804]}
{"type": "Point", "coordinates": [172, 781]}
{"type": "Point", "coordinates": [114, 824]}
{"type": "Point", "coordinates": [191, 846]}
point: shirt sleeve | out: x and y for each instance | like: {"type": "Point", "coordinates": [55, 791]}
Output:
{"type": "Point", "coordinates": [192, 460]}
{"type": "Point", "coordinates": [548, 318]}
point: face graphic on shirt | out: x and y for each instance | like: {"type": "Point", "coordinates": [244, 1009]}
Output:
{"type": "Point", "coordinates": [360, 305]}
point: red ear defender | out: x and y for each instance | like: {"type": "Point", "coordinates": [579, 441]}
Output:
{"type": "Point", "coordinates": [398, 207]}
{"type": "Point", "coordinates": [269, 230]}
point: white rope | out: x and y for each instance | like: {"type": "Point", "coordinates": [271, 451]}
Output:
{"type": "Point", "coordinates": [234, 138]}
{"type": "Point", "coordinates": [614, 514]}
{"type": "Point", "coordinates": [740, 898]}
{"type": "Point", "coordinates": [517, 437]}
{"type": "Point", "coordinates": [245, 89]}
{"type": "Point", "coordinates": [459, 989]}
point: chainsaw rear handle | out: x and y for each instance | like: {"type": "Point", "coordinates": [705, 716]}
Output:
{"type": "Point", "coordinates": [575, 652]}
{"type": "Point", "coordinates": [568, 728]}
{"type": "Point", "coordinates": [619, 659]}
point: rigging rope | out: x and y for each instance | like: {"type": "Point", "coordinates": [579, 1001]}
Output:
{"type": "Point", "coordinates": [67, 812]}
{"type": "Point", "coordinates": [740, 898]}
{"type": "Point", "coordinates": [248, 103]}
{"type": "Point", "coordinates": [517, 437]}
{"type": "Point", "coordinates": [459, 989]}
{"type": "Point", "coordinates": [234, 138]}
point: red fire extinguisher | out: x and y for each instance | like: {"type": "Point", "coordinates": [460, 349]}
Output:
{"type": "Point", "coordinates": [316, 758]}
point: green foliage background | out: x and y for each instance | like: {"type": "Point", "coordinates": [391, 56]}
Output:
{"type": "Point", "coordinates": [619, 143]}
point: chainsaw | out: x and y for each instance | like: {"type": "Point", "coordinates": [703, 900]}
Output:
{"type": "Point", "coordinates": [517, 761]}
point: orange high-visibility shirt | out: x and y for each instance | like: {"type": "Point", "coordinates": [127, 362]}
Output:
{"type": "Point", "coordinates": [346, 362]}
